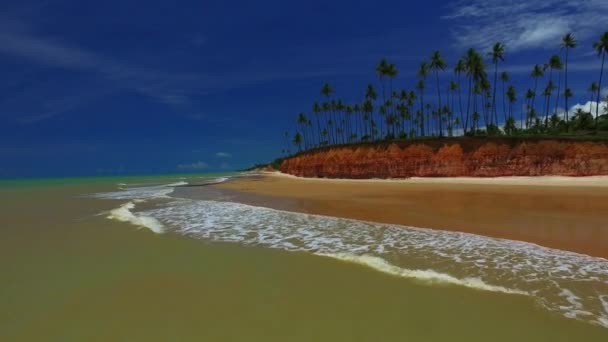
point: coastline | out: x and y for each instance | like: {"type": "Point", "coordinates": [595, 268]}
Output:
{"type": "Point", "coordinates": [568, 181]}
{"type": "Point", "coordinates": [556, 212]}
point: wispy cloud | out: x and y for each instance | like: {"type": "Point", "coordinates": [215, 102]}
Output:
{"type": "Point", "coordinates": [524, 24]}
{"type": "Point", "coordinates": [21, 44]}
{"type": "Point", "coordinates": [223, 155]}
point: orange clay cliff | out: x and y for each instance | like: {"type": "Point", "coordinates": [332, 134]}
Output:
{"type": "Point", "coordinates": [452, 157]}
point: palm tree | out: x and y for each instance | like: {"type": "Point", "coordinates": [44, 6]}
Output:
{"type": "Point", "coordinates": [316, 109]}
{"type": "Point", "coordinates": [512, 96]}
{"type": "Point", "coordinates": [537, 72]}
{"type": "Point", "coordinates": [504, 78]}
{"type": "Point", "coordinates": [601, 47]}
{"type": "Point", "coordinates": [297, 140]}
{"type": "Point", "coordinates": [529, 110]}
{"type": "Point", "coordinates": [593, 88]}
{"type": "Point", "coordinates": [391, 72]}
{"type": "Point", "coordinates": [459, 68]}
{"type": "Point", "coordinates": [381, 71]}
{"type": "Point", "coordinates": [303, 121]}
{"type": "Point", "coordinates": [438, 64]}
{"type": "Point", "coordinates": [568, 42]}
{"type": "Point", "coordinates": [555, 63]}
{"type": "Point", "coordinates": [423, 71]}
{"type": "Point", "coordinates": [368, 109]}
{"type": "Point", "coordinates": [327, 109]}
{"type": "Point", "coordinates": [370, 97]}
{"type": "Point", "coordinates": [547, 94]}
{"type": "Point", "coordinates": [327, 90]}
{"type": "Point", "coordinates": [498, 55]}
{"type": "Point", "coordinates": [567, 94]}
{"type": "Point", "coordinates": [475, 68]}
{"type": "Point", "coordinates": [358, 121]}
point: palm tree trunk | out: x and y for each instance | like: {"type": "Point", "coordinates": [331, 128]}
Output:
{"type": "Point", "coordinates": [599, 89]}
{"type": "Point", "coordinates": [439, 96]}
{"type": "Point", "coordinates": [548, 99]}
{"type": "Point", "coordinates": [422, 113]}
{"type": "Point", "coordinates": [495, 118]}
{"type": "Point", "coordinates": [469, 101]}
{"type": "Point", "coordinates": [504, 110]}
{"type": "Point", "coordinates": [559, 84]}
{"type": "Point", "coordinates": [460, 106]}
{"type": "Point", "coordinates": [529, 119]}
{"type": "Point", "coordinates": [566, 85]}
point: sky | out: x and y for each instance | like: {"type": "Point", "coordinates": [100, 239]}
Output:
{"type": "Point", "coordinates": [127, 87]}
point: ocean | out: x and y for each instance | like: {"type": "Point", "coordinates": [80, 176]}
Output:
{"type": "Point", "coordinates": [127, 258]}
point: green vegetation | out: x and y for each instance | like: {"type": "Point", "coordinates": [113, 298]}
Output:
{"type": "Point", "coordinates": [406, 114]}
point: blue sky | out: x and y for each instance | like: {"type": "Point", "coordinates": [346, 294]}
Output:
{"type": "Point", "coordinates": [93, 88]}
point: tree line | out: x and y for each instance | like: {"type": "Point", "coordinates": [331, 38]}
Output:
{"type": "Point", "coordinates": [476, 100]}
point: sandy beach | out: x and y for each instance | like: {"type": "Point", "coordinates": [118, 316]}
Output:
{"type": "Point", "coordinates": [558, 212]}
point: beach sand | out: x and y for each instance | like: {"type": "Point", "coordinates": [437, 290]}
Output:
{"type": "Point", "coordinates": [557, 212]}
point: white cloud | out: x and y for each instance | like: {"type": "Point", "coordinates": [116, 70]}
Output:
{"type": "Point", "coordinates": [199, 165]}
{"type": "Point", "coordinates": [523, 24]}
{"type": "Point", "coordinates": [590, 107]}
{"type": "Point", "coordinates": [223, 155]}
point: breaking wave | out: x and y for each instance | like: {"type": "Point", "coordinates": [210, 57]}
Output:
{"type": "Point", "coordinates": [124, 214]}
{"type": "Point", "coordinates": [572, 284]}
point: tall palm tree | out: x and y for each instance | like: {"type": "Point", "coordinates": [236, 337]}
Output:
{"type": "Point", "coordinates": [368, 109]}
{"type": "Point", "coordinates": [547, 94]}
{"type": "Point", "coordinates": [326, 110]}
{"type": "Point", "coordinates": [537, 72]}
{"type": "Point", "coordinates": [498, 55]}
{"type": "Point", "coordinates": [453, 89]}
{"type": "Point", "coordinates": [438, 64]}
{"type": "Point", "coordinates": [303, 121]}
{"type": "Point", "coordinates": [370, 97]}
{"type": "Point", "coordinates": [601, 47]}
{"type": "Point", "coordinates": [423, 71]}
{"type": "Point", "coordinates": [504, 78]}
{"type": "Point", "coordinates": [568, 42]}
{"type": "Point", "coordinates": [555, 63]}
{"type": "Point", "coordinates": [327, 90]}
{"type": "Point", "coordinates": [297, 140]}
{"type": "Point", "coordinates": [529, 110]}
{"type": "Point", "coordinates": [593, 88]}
{"type": "Point", "coordinates": [358, 121]}
{"type": "Point", "coordinates": [381, 70]}
{"type": "Point", "coordinates": [459, 68]}
{"type": "Point", "coordinates": [567, 94]}
{"type": "Point", "coordinates": [316, 109]}
{"type": "Point", "coordinates": [512, 96]}
{"type": "Point", "coordinates": [391, 72]}
{"type": "Point", "coordinates": [475, 68]}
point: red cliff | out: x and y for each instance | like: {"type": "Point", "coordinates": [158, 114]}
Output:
{"type": "Point", "coordinates": [452, 157]}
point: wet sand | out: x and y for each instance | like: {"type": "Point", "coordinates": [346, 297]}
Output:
{"type": "Point", "coordinates": [552, 212]}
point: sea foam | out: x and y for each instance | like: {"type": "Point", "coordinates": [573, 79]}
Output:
{"type": "Point", "coordinates": [428, 276]}
{"type": "Point", "coordinates": [124, 214]}
{"type": "Point", "coordinates": [572, 284]}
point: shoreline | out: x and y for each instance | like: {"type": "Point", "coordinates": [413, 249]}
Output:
{"type": "Point", "coordinates": [555, 212]}
{"type": "Point", "coordinates": [567, 181]}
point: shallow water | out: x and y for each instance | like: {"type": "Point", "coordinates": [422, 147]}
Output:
{"type": "Point", "coordinates": [228, 271]}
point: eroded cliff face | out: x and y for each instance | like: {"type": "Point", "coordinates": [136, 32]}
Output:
{"type": "Point", "coordinates": [454, 157]}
